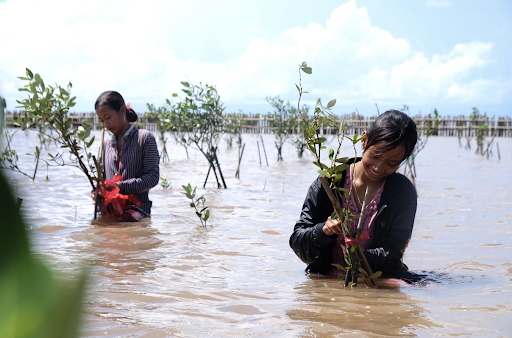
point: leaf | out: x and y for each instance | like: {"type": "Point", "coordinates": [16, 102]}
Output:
{"type": "Point", "coordinates": [297, 87]}
{"type": "Point", "coordinates": [341, 267]}
{"type": "Point", "coordinates": [363, 272]}
{"type": "Point", "coordinates": [320, 165]}
{"type": "Point", "coordinates": [198, 215]}
{"type": "Point", "coordinates": [334, 215]}
{"type": "Point", "coordinates": [304, 64]}
{"type": "Point", "coordinates": [207, 215]}
{"type": "Point", "coordinates": [342, 277]}
{"type": "Point", "coordinates": [342, 160]}
{"type": "Point", "coordinates": [331, 154]}
{"type": "Point", "coordinates": [91, 141]}
{"type": "Point", "coordinates": [326, 174]}
{"type": "Point", "coordinates": [306, 70]}
{"type": "Point", "coordinates": [29, 73]}
{"type": "Point", "coordinates": [174, 94]}
{"type": "Point", "coordinates": [331, 103]}
{"type": "Point", "coordinates": [192, 205]}
{"type": "Point", "coordinates": [375, 275]}
{"type": "Point", "coordinates": [186, 84]}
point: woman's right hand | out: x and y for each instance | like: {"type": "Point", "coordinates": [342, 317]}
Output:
{"type": "Point", "coordinates": [332, 226]}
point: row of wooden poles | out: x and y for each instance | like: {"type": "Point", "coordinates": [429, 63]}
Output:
{"type": "Point", "coordinates": [448, 126]}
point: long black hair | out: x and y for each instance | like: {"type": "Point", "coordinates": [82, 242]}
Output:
{"type": "Point", "coordinates": [392, 129]}
{"type": "Point", "coordinates": [115, 101]}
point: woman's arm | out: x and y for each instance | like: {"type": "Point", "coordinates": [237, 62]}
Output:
{"type": "Point", "coordinates": [150, 170]}
{"type": "Point", "coordinates": [308, 239]}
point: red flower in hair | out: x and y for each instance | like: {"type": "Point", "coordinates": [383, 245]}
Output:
{"type": "Point", "coordinates": [128, 106]}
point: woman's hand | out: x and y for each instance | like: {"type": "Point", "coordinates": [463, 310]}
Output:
{"type": "Point", "coordinates": [332, 226]}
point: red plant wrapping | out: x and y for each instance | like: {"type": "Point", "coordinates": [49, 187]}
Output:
{"type": "Point", "coordinates": [355, 241]}
{"type": "Point", "coordinates": [111, 195]}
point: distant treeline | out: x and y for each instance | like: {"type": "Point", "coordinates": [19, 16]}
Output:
{"type": "Point", "coordinates": [460, 125]}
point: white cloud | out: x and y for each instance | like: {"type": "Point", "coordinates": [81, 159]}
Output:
{"type": "Point", "coordinates": [438, 3]}
{"type": "Point", "coordinates": [129, 46]}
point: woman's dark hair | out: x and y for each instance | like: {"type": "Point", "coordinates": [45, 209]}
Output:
{"type": "Point", "coordinates": [115, 101]}
{"type": "Point", "coordinates": [391, 129]}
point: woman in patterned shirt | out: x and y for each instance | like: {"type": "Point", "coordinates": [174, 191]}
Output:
{"type": "Point", "coordinates": [131, 152]}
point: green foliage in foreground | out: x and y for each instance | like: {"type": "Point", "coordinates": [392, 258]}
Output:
{"type": "Point", "coordinates": [197, 203]}
{"type": "Point", "coordinates": [33, 303]}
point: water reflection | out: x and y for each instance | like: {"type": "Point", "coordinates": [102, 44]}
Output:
{"type": "Point", "coordinates": [124, 250]}
{"type": "Point", "coordinates": [326, 309]}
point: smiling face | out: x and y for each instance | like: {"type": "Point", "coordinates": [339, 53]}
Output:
{"type": "Point", "coordinates": [378, 164]}
{"type": "Point", "coordinates": [113, 121]}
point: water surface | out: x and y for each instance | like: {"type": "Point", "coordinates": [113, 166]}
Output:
{"type": "Point", "coordinates": [238, 277]}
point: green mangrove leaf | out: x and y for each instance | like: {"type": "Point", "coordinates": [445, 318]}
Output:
{"type": "Point", "coordinates": [363, 272]}
{"type": "Point", "coordinates": [331, 103]}
{"type": "Point", "coordinates": [375, 275]}
{"type": "Point", "coordinates": [341, 267]}
{"type": "Point", "coordinates": [331, 154]}
{"type": "Point", "coordinates": [326, 174]}
{"type": "Point", "coordinates": [342, 160]}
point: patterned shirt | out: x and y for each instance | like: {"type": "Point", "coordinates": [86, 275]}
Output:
{"type": "Point", "coordinates": [138, 165]}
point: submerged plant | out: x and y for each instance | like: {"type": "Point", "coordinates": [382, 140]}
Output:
{"type": "Point", "coordinates": [282, 121]}
{"type": "Point", "coordinates": [165, 183]}
{"type": "Point", "coordinates": [197, 203]}
{"type": "Point", "coordinates": [163, 119]}
{"type": "Point", "coordinates": [204, 108]}
{"type": "Point", "coordinates": [233, 128]}
{"type": "Point", "coordinates": [331, 175]}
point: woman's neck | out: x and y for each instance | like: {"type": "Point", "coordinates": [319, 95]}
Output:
{"type": "Point", "coordinates": [120, 135]}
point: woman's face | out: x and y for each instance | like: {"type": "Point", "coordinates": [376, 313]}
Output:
{"type": "Point", "coordinates": [378, 164]}
{"type": "Point", "coordinates": [112, 120]}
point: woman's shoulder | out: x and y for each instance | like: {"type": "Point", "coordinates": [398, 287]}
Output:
{"type": "Point", "coordinates": [400, 183]}
{"type": "Point", "coordinates": [144, 134]}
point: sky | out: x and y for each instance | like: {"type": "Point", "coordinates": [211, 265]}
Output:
{"type": "Point", "coordinates": [446, 54]}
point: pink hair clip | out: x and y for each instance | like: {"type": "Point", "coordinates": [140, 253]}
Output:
{"type": "Point", "coordinates": [128, 106]}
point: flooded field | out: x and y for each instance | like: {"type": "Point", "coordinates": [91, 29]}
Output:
{"type": "Point", "coordinates": [239, 278]}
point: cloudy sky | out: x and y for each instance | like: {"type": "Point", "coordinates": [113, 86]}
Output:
{"type": "Point", "coordinates": [451, 55]}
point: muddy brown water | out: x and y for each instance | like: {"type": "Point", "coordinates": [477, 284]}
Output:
{"type": "Point", "coordinates": [238, 277]}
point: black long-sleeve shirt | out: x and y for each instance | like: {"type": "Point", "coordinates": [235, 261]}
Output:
{"type": "Point", "coordinates": [392, 229]}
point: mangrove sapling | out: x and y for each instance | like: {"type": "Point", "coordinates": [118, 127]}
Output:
{"type": "Point", "coordinates": [9, 157]}
{"type": "Point", "coordinates": [299, 140]}
{"type": "Point", "coordinates": [480, 123]}
{"type": "Point", "coordinates": [424, 131]}
{"type": "Point", "coordinates": [163, 119]}
{"type": "Point", "coordinates": [50, 106]}
{"type": "Point", "coordinates": [165, 183]}
{"type": "Point", "coordinates": [203, 102]}
{"type": "Point", "coordinates": [331, 176]}
{"type": "Point", "coordinates": [233, 128]}
{"type": "Point", "coordinates": [182, 123]}
{"type": "Point", "coordinates": [282, 121]}
{"type": "Point", "coordinates": [197, 203]}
